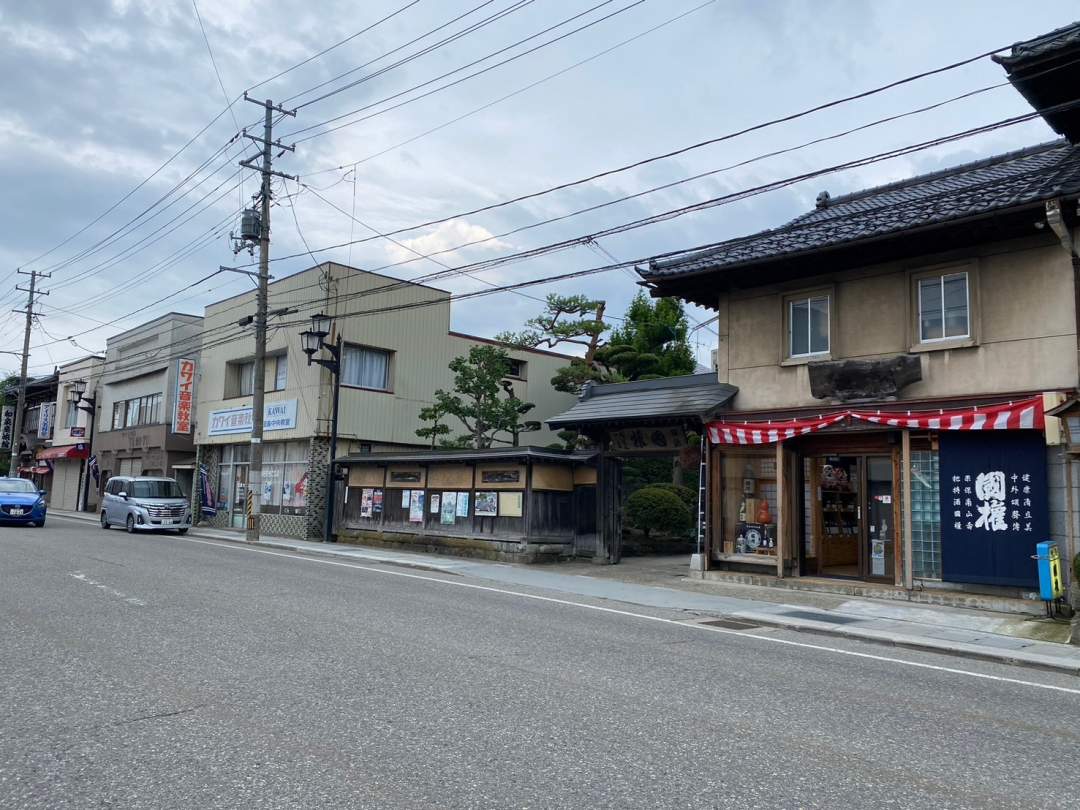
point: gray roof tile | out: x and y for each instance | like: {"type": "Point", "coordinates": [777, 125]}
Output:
{"type": "Point", "coordinates": [1004, 181]}
{"type": "Point", "coordinates": [690, 395]}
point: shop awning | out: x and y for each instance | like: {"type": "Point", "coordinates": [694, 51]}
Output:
{"type": "Point", "coordinates": [1023, 415]}
{"type": "Point", "coordinates": [38, 470]}
{"type": "Point", "coordinates": [66, 451]}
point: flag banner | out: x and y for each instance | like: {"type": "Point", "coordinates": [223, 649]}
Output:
{"type": "Point", "coordinates": [1021, 415]}
{"type": "Point", "coordinates": [206, 493]}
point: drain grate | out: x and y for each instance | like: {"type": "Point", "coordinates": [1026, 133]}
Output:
{"type": "Point", "coordinates": [828, 618]}
{"type": "Point", "coordinates": [733, 624]}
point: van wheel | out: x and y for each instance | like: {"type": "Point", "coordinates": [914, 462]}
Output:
{"type": "Point", "coordinates": [104, 520]}
{"type": "Point", "coordinates": [181, 531]}
{"type": "Point", "coordinates": [130, 524]}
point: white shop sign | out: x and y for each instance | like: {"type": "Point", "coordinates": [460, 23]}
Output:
{"type": "Point", "coordinates": [276, 416]}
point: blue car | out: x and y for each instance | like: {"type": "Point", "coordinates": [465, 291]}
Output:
{"type": "Point", "coordinates": [21, 502]}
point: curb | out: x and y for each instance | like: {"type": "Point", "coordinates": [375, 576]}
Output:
{"type": "Point", "coordinates": [823, 628]}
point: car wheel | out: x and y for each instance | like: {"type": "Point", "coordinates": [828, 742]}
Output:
{"type": "Point", "coordinates": [104, 520]}
{"type": "Point", "coordinates": [181, 531]}
{"type": "Point", "coordinates": [130, 524]}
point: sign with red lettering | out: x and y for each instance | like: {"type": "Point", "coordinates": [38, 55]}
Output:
{"type": "Point", "coordinates": [184, 396]}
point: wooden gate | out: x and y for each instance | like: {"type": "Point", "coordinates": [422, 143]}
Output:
{"type": "Point", "coordinates": [609, 510]}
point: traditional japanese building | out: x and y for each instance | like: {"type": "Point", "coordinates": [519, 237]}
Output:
{"type": "Point", "coordinates": [894, 352]}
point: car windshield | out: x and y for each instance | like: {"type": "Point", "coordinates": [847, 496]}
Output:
{"type": "Point", "coordinates": [155, 489]}
{"type": "Point", "coordinates": [17, 485]}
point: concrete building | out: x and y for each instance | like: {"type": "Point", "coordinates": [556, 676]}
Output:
{"type": "Point", "coordinates": [145, 423]}
{"type": "Point", "coordinates": [393, 363]}
{"type": "Point", "coordinates": [36, 430]}
{"type": "Point", "coordinates": [73, 434]}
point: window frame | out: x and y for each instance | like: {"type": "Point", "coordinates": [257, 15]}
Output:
{"type": "Point", "coordinates": [915, 277]}
{"type": "Point", "coordinates": [828, 292]}
{"type": "Point", "coordinates": [275, 383]}
{"type": "Point", "coordinates": [389, 389]}
{"type": "Point", "coordinates": [940, 279]}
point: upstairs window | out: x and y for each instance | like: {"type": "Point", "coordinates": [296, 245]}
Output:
{"type": "Point", "coordinates": [808, 326]}
{"type": "Point", "coordinates": [364, 367]}
{"type": "Point", "coordinates": [118, 415]}
{"type": "Point", "coordinates": [517, 369]}
{"type": "Point", "coordinates": [280, 379]}
{"type": "Point", "coordinates": [944, 307]}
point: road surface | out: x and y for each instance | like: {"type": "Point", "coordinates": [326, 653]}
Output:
{"type": "Point", "coordinates": [156, 671]}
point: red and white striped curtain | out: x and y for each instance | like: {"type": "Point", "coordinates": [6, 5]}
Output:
{"type": "Point", "coordinates": [1023, 415]}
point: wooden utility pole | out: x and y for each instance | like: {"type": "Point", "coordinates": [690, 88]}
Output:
{"type": "Point", "coordinates": [20, 403]}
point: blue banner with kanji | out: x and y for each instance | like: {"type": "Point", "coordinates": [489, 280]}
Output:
{"type": "Point", "coordinates": [993, 506]}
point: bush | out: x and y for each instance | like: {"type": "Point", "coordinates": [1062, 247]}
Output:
{"type": "Point", "coordinates": [1076, 568]}
{"type": "Point", "coordinates": [685, 494]}
{"type": "Point", "coordinates": [657, 509]}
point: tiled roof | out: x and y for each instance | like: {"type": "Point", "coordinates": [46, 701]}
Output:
{"type": "Point", "coordinates": [490, 454]}
{"type": "Point", "coordinates": [1004, 181]}
{"type": "Point", "coordinates": [691, 395]}
{"type": "Point", "coordinates": [1046, 45]}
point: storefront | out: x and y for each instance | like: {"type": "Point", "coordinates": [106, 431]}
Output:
{"type": "Point", "coordinates": [68, 464]}
{"type": "Point", "coordinates": [284, 481]}
{"type": "Point", "coordinates": [940, 498]}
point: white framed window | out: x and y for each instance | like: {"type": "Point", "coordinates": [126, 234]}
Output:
{"type": "Point", "coordinates": [246, 379]}
{"type": "Point", "coordinates": [944, 303]}
{"type": "Point", "coordinates": [365, 367]}
{"type": "Point", "coordinates": [118, 415]}
{"type": "Point", "coordinates": [72, 419]}
{"type": "Point", "coordinates": [132, 412]}
{"type": "Point", "coordinates": [808, 326]}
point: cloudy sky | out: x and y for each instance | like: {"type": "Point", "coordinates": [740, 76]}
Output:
{"type": "Point", "coordinates": [97, 95]}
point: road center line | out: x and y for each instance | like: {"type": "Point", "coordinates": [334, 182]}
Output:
{"type": "Point", "coordinates": [131, 600]}
{"type": "Point", "coordinates": [644, 616]}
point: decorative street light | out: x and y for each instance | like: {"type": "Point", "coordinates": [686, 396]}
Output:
{"type": "Point", "coordinates": [77, 395]}
{"type": "Point", "coordinates": [313, 341]}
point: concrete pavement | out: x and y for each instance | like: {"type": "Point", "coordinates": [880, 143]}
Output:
{"type": "Point", "coordinates": [967, 633]}
{"type": "Point", "coordinates": [153, 671]}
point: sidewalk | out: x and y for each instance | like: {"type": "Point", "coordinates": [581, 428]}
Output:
{"type": "Point", "coordinates": [657, 583]}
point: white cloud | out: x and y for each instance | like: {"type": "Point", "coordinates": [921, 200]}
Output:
{"type": "Point", "coordinates": [446, 236]}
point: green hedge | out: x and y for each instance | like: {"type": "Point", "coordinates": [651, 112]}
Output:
{"type": "Point", "coordinates": [657, 509]}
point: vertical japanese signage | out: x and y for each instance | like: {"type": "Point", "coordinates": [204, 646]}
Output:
{"type": "Point", "coordinates": [183, 395]}
{"type": "Point", "coordinates": [993, 506]}
{"type": "Point", "coordinates": [45, 421]}
{"type": "Point", "coordinates": [7, 427]}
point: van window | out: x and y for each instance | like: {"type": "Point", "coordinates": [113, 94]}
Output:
{"type": "Point", "coordinates": [155, 489]}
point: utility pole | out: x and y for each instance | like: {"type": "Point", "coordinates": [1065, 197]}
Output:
{"type": "Point", "coordinates": [254, 491]}
{"type": "Point", "coordinates": [20, 404]}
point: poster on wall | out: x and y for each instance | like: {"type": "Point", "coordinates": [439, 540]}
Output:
{"type": "Point", "coordinates": [406, 494]}
{"type": "Point", "coordinates": [993, 505]}
{"type": "Point", "coordinates": [366, 498]}
{"type": "Point", "coordinates": [376, 502]}
{"type": "Point", "coordinates": [463, 504]}
{"type": "Point", "coordinates": [416, 506]}
{"type": "Point", "coordinates": [487, 504]}
{"type": "Point", "coordinates": [435, 504]}
{"type": "Point", "coordinates": [510, 504]}
{"type": "Point", "coordinates": [449, 508]}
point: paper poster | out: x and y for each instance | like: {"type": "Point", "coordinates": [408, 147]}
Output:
{"type": "Point", "coordinates": [435, 503]}
{"type": "Point", "coordinates": [510, 504]}
{"type": "Point", "coordinates": [416, 506]}
{"type": "Point", "coordinates": [449, 507]}
{"type": "Point", "coordinates": [405, 493]}
{"type": "Point", "coordinates": [376, 502]}
{"type": "Point", "coordinates": [463, 504]}
{"type": "Point", "coordinates": [366, 496]}
{"type": "Point", "coordinates": [487, 504]}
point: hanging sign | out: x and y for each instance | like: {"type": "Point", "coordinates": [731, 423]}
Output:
{"type": "Point", "coordinates": [7, 426]}
{"type": "Point", "coordinates": [993, 506]}
{"type": "Point", "coordinates": [183, 395]}
{"type": "Point", "coordinates": [45, 421]}
{"type": "Point", "coordinates": [276, 416]}
{"type": "Point", "coordinates": [657, 439]}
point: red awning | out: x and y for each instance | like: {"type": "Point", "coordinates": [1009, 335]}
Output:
{"type": "Point", "coordinates": [67, 451]}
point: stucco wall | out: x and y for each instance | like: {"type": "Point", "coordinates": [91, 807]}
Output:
{"type": "Point", "coordinates": [1024, 329]}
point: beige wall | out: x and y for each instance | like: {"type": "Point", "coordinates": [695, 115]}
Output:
{"type": "Point", "coordinates": [88, 370]}
{"type": "Point", "coordinates": [419, 338]}
{"type": "Point", "coordinates": [1024, 328]}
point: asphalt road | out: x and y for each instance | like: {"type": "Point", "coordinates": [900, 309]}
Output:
{"type": "Point", "coordinates": [159, 672]}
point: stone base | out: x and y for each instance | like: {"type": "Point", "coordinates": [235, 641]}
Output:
{"type": "Point", "coordinates": [472, 547]}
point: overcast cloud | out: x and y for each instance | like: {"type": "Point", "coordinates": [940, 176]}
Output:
{"type": "Point", "coordinates": [97, 94]}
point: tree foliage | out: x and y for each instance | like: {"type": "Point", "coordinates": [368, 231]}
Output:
{"type": "Point", "coordinates": [654, 509]}
{"type": "Point", "coordinates": [483, 401]}
{"type": "Point", "coordinates": [652, 342]}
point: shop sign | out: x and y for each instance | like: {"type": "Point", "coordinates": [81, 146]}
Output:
{"type": "Point", "coordinates": [183, 395]}
{"type": "Point", "coordinates": [655, 439]}
{"type": "Point", "coordinates": [45, 421]}
{"type": "Point", "coordinates": [276, 416]}
{"type": "Point", "coordinates": [993, 506]}
{"type": "Point", "coordinates": [7, 426]}
{"type": "Point", "coordinates": [77, 432]}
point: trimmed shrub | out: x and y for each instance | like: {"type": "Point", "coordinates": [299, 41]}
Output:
{"type": "Point", "coordinates": [686, 495]}
{"type": "Point", "coordinates": [657, 509]}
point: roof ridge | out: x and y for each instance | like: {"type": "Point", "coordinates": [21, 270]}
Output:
{"type": "Point", "coordinates": [959, 168]}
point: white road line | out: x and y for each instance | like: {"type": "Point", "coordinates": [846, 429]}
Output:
{"type": "Point", "coordinates": [644, 616]}
{"type": "Point", "coordinates": [131, 600]}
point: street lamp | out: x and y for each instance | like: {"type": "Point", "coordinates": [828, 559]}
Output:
{"type": "Point", "coordinates": [77, 395]}
{"type": "Point", "coordinates": [313, 341]}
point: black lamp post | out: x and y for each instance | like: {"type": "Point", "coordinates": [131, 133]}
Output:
{"type": "Point", "coordinates": [312, 341]}
{"type": "Point", "coordinates": [76, 395]}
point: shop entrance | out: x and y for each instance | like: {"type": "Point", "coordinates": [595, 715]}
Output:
{"type": "Point", "coordinates": [850, 515]}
